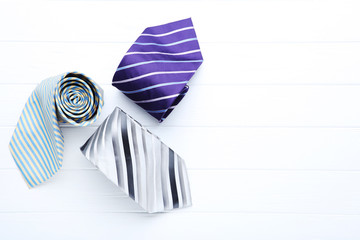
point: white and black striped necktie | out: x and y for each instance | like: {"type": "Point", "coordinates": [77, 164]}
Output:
{"type": "Point", "coordinates": [139, 163]}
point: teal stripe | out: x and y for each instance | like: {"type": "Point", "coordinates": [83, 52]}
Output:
{"type": "Point", "coordinates": [32, 147]}
{"type": "Point", "coordinates": [22, 164]}
{"type": "Point", "coordinates": [39, 146]}
{"type": "Point", "coordinates": [43, 149]}
{"type": "Point", "coordinates": [30, 168]}
{"type": "Point", "coordinates": [32, 160]}
{"type": "Point", "coordinates": [39, 111]}
{"type": "Point", "coordinates": [45, 94]}
{"type": "Point", "coordinates": [51, 153]}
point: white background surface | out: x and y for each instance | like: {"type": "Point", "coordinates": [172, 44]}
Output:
{"type": "Point", "coordinates": [270, 129]}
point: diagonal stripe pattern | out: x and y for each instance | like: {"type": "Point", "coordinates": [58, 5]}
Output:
{"type": "Point", "coordinates": [139, 163]}
{"type": "Point", "coordinates": [156, 69]}
{"type": "Point", "coordinates": [37, 143]}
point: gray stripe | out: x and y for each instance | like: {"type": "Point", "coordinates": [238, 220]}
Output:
{"type": "Point", "coordinates": [94, 148]}
{"type": "Point", "coordinates": [126, 145]}
{"type": "Point", "coordinates": [150, 188]}
{"type": "Point", "coordinates": [137, 159]}
{"type": "Point", "coordinates": [172, 179]}
{"type": "Point", "coordinates": [178, 180]}
{"type": "Point", "coordinates": [116, 147]}
{"type": "Point", "coordinates": [185, 189]}
{"type": "Point", "coordinates": [165, 182]}
{"type": "Point", "coordinates": [133, 155]}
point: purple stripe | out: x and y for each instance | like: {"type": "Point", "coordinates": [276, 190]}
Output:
{"type": "Point", "coordinates": [163, 104]}
{"type": "Point", "coordinates": [158, 116]}
{"type": "Point", "coordinates": [165, 115]}
{"type": "Point", "coordinates": [176, 101]}
{"type": "Point", "coordinates": [172, 103]}
{"type": "Point", "coordinates": [157, 92]}
{"type": "Point", "coordinates": [181, 96]}
{"type": "Point", "coordinates": [154, 67]}
{"type": "Point", "coordinates": [169, 26]}
{"type": "Point", "coordinates": [175, 37]}
{"type": "Point", "coordinates": [152, 80]}
{"type": "Point", "coordinates": [148, 68]}
{"type": "Point", "coordinates": [136, 58]}
{"type": "Point", "coordinates": [182, 47]}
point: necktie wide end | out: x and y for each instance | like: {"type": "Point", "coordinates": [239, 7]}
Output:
{"type": "Point", "coordinates": [138, 162]}
{"type": "Point", "coordinates": [157, 67]}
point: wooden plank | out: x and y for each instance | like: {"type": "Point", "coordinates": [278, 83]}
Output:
{"type": "Point", "coordinates": [245, 21]}
{"type": "Point", "coordinates": [226, 64]}
{"type": "Point", "coordinates": [240, 106]}
{"type": "Point", "coordinates": [300, 192]}
{"type": "Point", "coordinates": [233, 148]}
{"type": "Point", "coordinates": [272, 151]}
{"type": "Point", "coordinates": [178, 225]}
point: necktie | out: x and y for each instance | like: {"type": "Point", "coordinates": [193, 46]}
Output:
{"type": "Point", "coordinates": [156, 69]}
{"type": "Point", "coordinates": [37, 143]}
{"type": "Point", "coordinates": [139, 163]}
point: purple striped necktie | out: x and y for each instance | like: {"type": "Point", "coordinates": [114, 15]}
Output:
{"type": "Point", "coordinates": [156, 69]}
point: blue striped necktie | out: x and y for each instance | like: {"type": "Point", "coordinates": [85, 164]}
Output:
{"type": "Point", "coordinates": [37, 143]}
{"type": "Point", "coordinates": [156, 69]}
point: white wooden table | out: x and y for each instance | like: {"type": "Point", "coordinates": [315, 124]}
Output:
{"type": "Point", "coordinates": [270, 129]}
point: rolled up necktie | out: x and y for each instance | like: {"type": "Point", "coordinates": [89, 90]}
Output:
{"type": "Point", "coordinates": [156, 69]}
{"type": "Point", "coordinates": [139, 163]}
{"type": "Point", "coordinates": [37, 143]}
